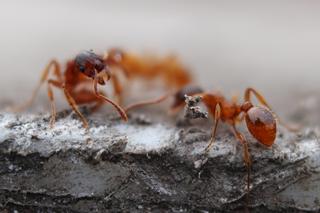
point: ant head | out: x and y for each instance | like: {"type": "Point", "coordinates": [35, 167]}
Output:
{"type": "Point", "coordinates": [90, 65]}
{"type": "Point", "coordinates": [179, 97]}
{"type": "Point", "coordinates": [261, 123]}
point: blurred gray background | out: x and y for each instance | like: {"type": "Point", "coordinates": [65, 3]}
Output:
{"type": "Point", "coordinates": [229, 45]}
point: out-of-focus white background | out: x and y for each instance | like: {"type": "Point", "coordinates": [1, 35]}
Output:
{"type": "Point", "coordinates": [229, 45]}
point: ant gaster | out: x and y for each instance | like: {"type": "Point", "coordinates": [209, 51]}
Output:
{"type": "Point", "coordinates": [87, 67]}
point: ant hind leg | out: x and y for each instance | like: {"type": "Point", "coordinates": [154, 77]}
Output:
{"type": "Point", "coordinates": [246, 157]}
{"type": "Point", "coordinates": [51, 98]}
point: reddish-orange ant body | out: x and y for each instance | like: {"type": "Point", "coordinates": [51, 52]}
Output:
{"type": "Point", "coordinates": [169, 70]}
{"type": "Point", "coordinates": [260, 121]}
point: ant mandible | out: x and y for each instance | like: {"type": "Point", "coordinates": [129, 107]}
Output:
{"type": "Point", "coordinates": [83, 69]}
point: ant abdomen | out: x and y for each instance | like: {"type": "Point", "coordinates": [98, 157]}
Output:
{"type": "Point", "coordinates": [262, 125]}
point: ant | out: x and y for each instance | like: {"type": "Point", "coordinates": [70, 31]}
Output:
{"type": "Point", "coordinates": [173, 75]}
{"type": "Point", "coordinates": [83, 69]}
{"type": "Point", "coordinates": [260, 121]}
{"type": "Point", "coordinates": [88, 66]}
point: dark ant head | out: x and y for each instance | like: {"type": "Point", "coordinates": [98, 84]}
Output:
{"type": "Point", "coordinates": [90, 65]}
{"type": "Point", "coordinates": [179, 97]}
{"type": "Point", "coordinates": [261, 123]}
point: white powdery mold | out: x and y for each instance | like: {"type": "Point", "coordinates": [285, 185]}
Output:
{"type": "Point", "coordinates": [6, 121]}
{"type": "Point", "coordinates": [30, 133]}
{"type": "Point", "coordinates": [294, 148]}
{"type": "Point", "coordinates": [147, 138]}
{"type": "Point", "coordinates": [218, 149]}
{"type": "Point", "coordinates": [5, 134]}
{"type": "Point", "coordinates": [311, 148]}
{"type": "Point", "coordinates": [65, 130]}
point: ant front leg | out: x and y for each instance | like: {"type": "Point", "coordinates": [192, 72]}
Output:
{"type": "Point", "coordinates": [44, 77]}
{"type": "Point", "coordinates": [102, 97]}
{"type": "Point", "coordinates": [147, 102]}
{"type": "Point", "coordinates": [217, 116]}
{"type": "Point", "coordinates": [261, 99]}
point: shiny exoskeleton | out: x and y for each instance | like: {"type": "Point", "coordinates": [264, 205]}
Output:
{"type": "Point", "coordinates": [260, 120]}
{"type": "Point", "coordinates": [168, 70]}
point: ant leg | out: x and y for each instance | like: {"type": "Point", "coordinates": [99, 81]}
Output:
{"type": "Point", "coordinates": [100, 96]}
{"type": "Point", "coordinates": [44, 77]}
{"type": "Point", "coordinates": [117, 88]}
{"type": "Point", "coordinates": [99, 102]}
{"type": "Point", "coordinates": [74, 106]}
{"type": "Point", "coordinates": [217, 116]}
{"type": "Point", "coordinates": [51, 98]}
{"type": "Point", "coordinates": [246, 155]}
{"type": "Point", "coordinates": [147, 102]}
{"type": "Point", "coordinates": [262, 100]}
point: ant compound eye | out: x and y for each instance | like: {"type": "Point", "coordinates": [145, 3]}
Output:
{"type": "Point", "coordinates": [82, 68]}
{"type": "Point", "coordinates": [262, 125]}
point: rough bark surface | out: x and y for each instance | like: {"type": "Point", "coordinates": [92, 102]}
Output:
{"type": "Point", "coordinates": [147, 166]}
